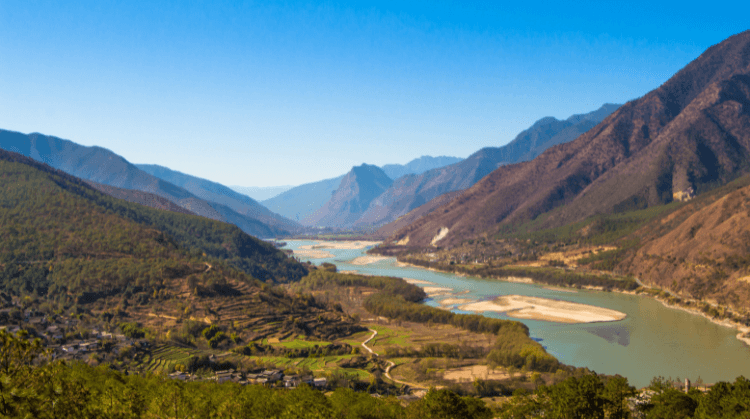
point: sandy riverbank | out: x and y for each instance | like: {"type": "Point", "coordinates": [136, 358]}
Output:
{"type": "Point", "coordinates": [417, 281]}
{"type": "Point", "coordinates": [454, 301]}
{"type": "Point", "coordinates": [312, 254]}
{"type": "Point", "coordinates": [537, 308]}
{"type": "Point", "coordinates": [743, 334]}
{"type": "Point", "coordinates": [366, 260]}
{"type": "Point", "coordinates": [340, 245]}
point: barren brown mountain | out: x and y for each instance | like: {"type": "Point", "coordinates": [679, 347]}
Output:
{"type": "Point", "coordinates": [415, 214]}
{"type": "Point", "coordinates": [409, 192]}
{"type": "Point", "coordinates": [700, 250]}
{"type": "Point", "coordinates": [687, 136]}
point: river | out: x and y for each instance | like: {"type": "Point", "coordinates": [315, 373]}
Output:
{"type": "Point", "coordinates": [653, 340]}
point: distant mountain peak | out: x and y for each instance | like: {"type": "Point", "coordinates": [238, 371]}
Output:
{"type": "Point", "coordinates": [357, 189]}
{"type": "Point", "coordinates": [409, 192]}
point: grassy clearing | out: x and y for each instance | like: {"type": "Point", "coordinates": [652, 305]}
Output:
{"type": "Point", "coordinates": [389, 337]}
{"type": "Point", "coordinates": [356, 339]}
{"type": "Point", "coordinates": [301, 344]}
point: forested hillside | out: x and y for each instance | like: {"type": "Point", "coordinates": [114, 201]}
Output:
{"type": "Point", "coordinates": [97, 164]}
{"type": "Point", "coordinates": [51, 221]}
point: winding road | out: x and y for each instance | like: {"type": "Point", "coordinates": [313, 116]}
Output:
{"type": "Point", "coordinates": [391, 364]}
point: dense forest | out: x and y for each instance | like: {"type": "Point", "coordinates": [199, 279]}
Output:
{"type": "Point", "coordinates": [48, 215]}
{"type": "Point", "coordinates": [66, 242]}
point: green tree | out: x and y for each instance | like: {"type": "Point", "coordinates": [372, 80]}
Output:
{"type": "Point", "coordinates": [616, 393]}
{"type": "Point", "coordinates": [576, 398]}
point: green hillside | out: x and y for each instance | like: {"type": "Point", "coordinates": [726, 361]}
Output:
{"type": "Point", "coordinates": [57, 229]}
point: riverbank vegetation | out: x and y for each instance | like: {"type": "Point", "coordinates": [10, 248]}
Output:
{"type": "Point", "coordinates": [395, 299]}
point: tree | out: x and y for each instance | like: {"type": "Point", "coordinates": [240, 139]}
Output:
{"type": "Point", "coordinates": [616, 393]}
{"type": "Point", "coordinates": [444, 404]}
{"type": "Point", "coordinates": [576, 398]}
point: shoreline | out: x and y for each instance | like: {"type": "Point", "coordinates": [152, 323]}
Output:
{"type": "Point", "coordinates": [740, 328]}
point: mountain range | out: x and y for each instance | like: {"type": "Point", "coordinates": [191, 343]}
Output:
{"type": "Point", "coordinates": [104, 167]}
{"type": "Point", "coordinates": [418, 165]}
{"type": "Point", "coordinates": [299, 203]}
{"type": "Point", "coordinates": [352, 197]}
{"type": "Point", "coordinates": [261, 193]}
{"type": "Point", "coordinates": [685, 137]}
{"type": "Point", "coordinates": [411, 191]}
{"type": "Point", "coordinates": [227, 198]}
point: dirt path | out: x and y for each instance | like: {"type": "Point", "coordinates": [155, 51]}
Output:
{"type": "Point", "coordinates": [391, 364]}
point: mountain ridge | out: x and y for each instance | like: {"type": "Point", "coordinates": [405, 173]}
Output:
{"type": "Point", "coordinates": [103, 166]}
{"type": "Point", "coordinates": [355, 192]}
{"type": "Point", "coordinates": [690, 133]}
{"type": "Point", "coordinates": [222, 195]}
{"type": "Point", "coordinates": [410, 192]}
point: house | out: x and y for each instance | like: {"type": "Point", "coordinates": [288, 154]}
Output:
{"type": "Point", "coordinates": [272, 375]}
{"type": "Point", "coordinates": [223, 376]}
{"type": "Point", "coordinates": [291, 381]}
{"type": "Point", "coordinates": [320, 382]}
{"type": "Point", "coordinates": [178, 375]}
{"type": "Point", "coordinates": [89, 346]}
{"type": "Point", "coordinates": [38, 321]}
{"type": "Point", "coordinates": [70, 349]}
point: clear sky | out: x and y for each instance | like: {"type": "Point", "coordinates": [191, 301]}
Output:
{"type": "Point", "coordinates": [275, 93]}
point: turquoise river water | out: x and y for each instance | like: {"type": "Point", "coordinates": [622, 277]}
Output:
{"type": "Point", "coordinates": [653, 340]}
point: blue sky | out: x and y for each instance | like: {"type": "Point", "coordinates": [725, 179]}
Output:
{"type": "Point", "coordinates": [275, 93]}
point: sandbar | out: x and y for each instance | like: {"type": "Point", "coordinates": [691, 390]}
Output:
{"type": "Point", "coordinates": [453, 301]}
{"type": "Point", "coordinates": [435, 291]}
{"type": "Point", "coordinates": [366, 260]}
{"type": "Point", "coordinates": [537, 308]}
{"type": "Point", "coordinates": [360, 244]}
{"type": "Point", "coordinates": [312, 254]}
{"type": "Point", "coordinates": [416, 281]}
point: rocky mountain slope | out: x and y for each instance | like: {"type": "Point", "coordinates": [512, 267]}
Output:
{"type": "Point", "coordinates": [687, 136]}
{"type": "Point", "coordinates": [701, 249]}
{"type": "Point", "coordinates": [409, 192]}
{"type": "Point", "coordinates": [354, 194]}
{"type": "Point", "coordinates": [302, 201]}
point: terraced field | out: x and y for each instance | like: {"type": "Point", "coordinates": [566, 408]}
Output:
{"type": "Point", "coordinates": [163, 357]}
